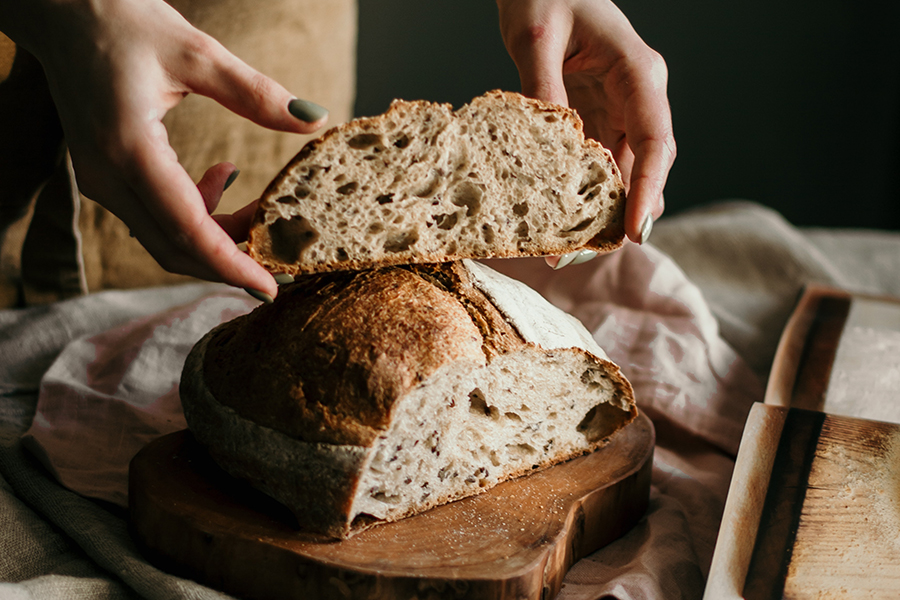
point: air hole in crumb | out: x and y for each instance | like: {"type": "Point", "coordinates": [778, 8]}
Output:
{"type": "Point", "coordinates": [376, 228]}
{"type": "Point", "coordinates": [522, 230]}
{"type": "Point", "coordinates": [402, 141]}
{"type": "Point", "coordinates": [522, 448]}
{"type": "Point", "coordinates": [347, 188]}
{"type": "Point", "coordinates": [601, 421]}
{"type": "Point", "coordinates": [341, 254]}
{"type": "Point", "coordinates": [520, 209]}
{"type": "Point", "coordinates": [468, 195]}
{"type": "Point", "coordinates": [361, 141]}
{"type": "Point", "coordinates": [301, 191]}
{"type": "Point", "coordinates": [385, 199]}
{"type": "Point", "coordinates": [291, 237]}
{"type": "Point", "coordinates": [512, 416]}
{"type": "Point", "coordinates": [386, 498]}
{"type": "Point", "coordinates": [478, 405]}
{"type": "Point", "coordinates": [287, 200]}
{"type": "Point", "coordinates": [581, 226]}
{"type": "Point", "coordinates": [593, 378]}
{"type": "Point", "coordinates": [487, 233]}
{"type": "Point", "coordinates": [614, 194]}
{"type": "Point", "coordinates": [402, 241]}
{"type": "Point", "coordinates": [550, 119]}
{"type": "Point", "coordinates": [446, 222]}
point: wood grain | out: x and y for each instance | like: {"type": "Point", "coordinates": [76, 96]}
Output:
{"type": "Point", "coordinates": [517, 540]}
{"type": "Point", "coordinates": [814, 505]}
{"type": "Point", "coordinates": [805, 353]}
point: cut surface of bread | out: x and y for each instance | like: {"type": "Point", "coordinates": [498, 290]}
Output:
{"type": "Point", "coordinates": [502, 176]}
{"type": "Point", "coordinates": [479, 381]}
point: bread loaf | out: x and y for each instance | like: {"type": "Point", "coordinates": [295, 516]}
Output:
{"type": "Point", "coordinates": [502, 176]}
{"type": "Point", "coordinates": [364, 397]}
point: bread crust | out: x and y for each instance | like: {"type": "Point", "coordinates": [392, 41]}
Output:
{"type": "Point", "coordinates": [296, 396]}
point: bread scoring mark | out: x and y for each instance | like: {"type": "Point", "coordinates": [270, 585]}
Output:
{"type": "Point", "coordinates": [497, 335]}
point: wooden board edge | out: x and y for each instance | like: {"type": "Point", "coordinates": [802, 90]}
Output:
{"type": "Point", "coordinates": [543, 579]}
{"type": "Point", "coordinates": [744, 504]}
{"type": "Point", "coordinates": [817, 317]}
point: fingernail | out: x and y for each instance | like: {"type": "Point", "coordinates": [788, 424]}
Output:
{"type": "Point", "coordinates": [565, 260]}
{"type": "Point", "coordinates": [283, 278]}
{"type": "Point", "coordinates": [574, 258]}
{"type": "Point", "coordinates": [231, 179]}
{"type": "Point", "coordinates": [646, 228]}
{"type": "Point", "coordinates": [306, 111]}
{"type": "Point", "coordinates": [243, 247]}
{"type": "Point", "coordinates": [261, 296]}
{"type": "Point", "coordinates": [583, 257]}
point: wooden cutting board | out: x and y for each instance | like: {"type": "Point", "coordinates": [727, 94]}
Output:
{"type": "Point", "coordinates": [515, 541]}
{"type": "Point", "coordinates": [814, 505]}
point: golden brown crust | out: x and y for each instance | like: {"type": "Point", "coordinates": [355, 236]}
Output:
{"type": "Point", "coordinates": [334, 351]}
{"type": "Point", "coordinates": [297, 396]}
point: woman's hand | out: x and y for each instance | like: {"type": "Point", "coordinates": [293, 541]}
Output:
{"type": "Point", "coordinates": [115, 67]}
{"type": "Point", "coordinates": [585, 54]}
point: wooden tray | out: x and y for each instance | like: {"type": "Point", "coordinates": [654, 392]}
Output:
{"type": "Point", "coordinates": [514, 541]}
{"type": "Point", "coordinates": [814, 505]}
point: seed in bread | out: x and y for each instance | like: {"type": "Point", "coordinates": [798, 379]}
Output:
{"type": "Point", "coordinates": [502, 176]}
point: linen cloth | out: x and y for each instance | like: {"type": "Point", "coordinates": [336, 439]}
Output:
{"type": "Point", "coordinates": [695, 335]}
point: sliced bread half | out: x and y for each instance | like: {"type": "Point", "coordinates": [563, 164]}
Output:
{"type": "Point", "coordinates": [503, 176]}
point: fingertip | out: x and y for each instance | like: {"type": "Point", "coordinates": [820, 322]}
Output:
{"type": "Point", "coordinates": [646, 228]}
{"type": "Point", "coordinates": [258, 279]}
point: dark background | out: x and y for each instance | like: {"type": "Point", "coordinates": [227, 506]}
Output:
{"type": "Point", "coordinates": [793, 104]}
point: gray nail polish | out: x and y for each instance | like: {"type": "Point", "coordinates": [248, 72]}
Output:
{"type": "Point", "coordinates": [306, 111]}
{"type": "Point", "coordinates": [261, 296]}
{"type": "Point", "coordinates": [231, 179]}
{"type": "Point", "coordinates": [646, 228]}
{"type": "Point", "coordinates": [283, 278]}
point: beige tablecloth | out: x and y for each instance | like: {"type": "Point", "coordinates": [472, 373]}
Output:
{"type": "Point", "coordinates": [692, 319]}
